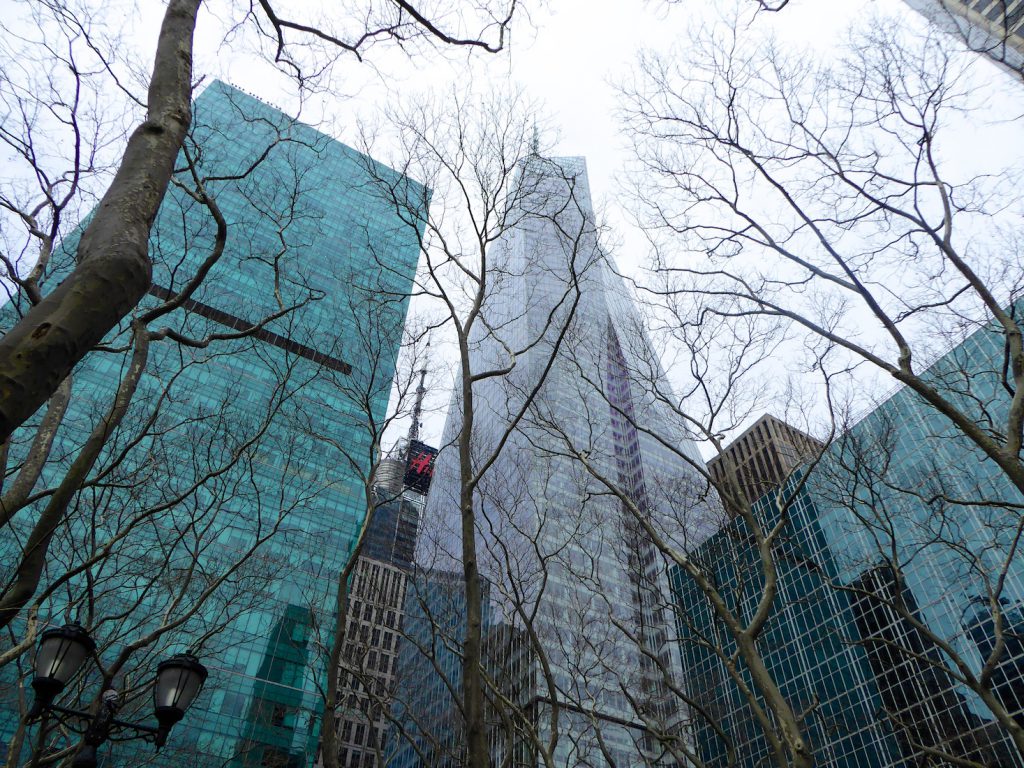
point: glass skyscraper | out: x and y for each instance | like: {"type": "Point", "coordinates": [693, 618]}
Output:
{"type": "Point", "coordinates": [901, 491]}
{"type": "Point", "coordinates": [255, 444]}
{"type": "Point", "coordinates": [564, 558]}
{"type": "Point", "coordinates": [905, 490]}
{"type": "Point", "coordinates": [426, 725]}
{"type": "Point", "coordinates": [808, 646]}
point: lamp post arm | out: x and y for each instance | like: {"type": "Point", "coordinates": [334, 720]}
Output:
{"type": "Point", "coordinates": [104, 727]}
{"type": "Point", "coordinates": [148, 732]}
{"type": "Point", "coordinates": [66, 716]}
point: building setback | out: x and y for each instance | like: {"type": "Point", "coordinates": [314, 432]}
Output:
{"type": "Point", "coordinates": [763, 457]}
{"type": "Point", "coordinates": [300, 207]}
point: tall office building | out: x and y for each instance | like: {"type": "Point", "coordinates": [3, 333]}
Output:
{"type": "Point", "coordinates": [237, 437]}
{"type": "Point", "coordinates": [763, 456]}
{"type": "Point", "coordinates": [809, 646]}
{"type": "Point", "coordinates": [376, 612]}
{"type": "Point", "coordinates": [992, 27]}
{"type": "Point", "coordinates": [917, 693]}
{"type": "Point", "coordinates": [905, 488]}
{"type": "Point", "coordinates": [808, 643]}
{"type": "Point", "coordinates": [901, 490]}
{"type": "Point", "coordinates": [835, 654]}
{"type": "Point", "coordinates": [554, 545]}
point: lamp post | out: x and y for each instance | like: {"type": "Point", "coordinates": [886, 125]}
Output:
{"type": "Point", "coordinates": [61, 654]}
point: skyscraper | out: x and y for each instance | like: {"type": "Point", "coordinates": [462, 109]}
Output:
{"type": "Point", "coordinates": [808, 642]}
{"type": "Point", "coordinates": [917, 694]}
{"type": "Point", "coordinates": [767, 452]}
{"type": "Point", "coordinates": [992, 27]}
{"type": "Point", "coordinates": [259, 441]}
{"type": "Point", "coordinates": [915, 514]}
{"type": "Point", "coordinates": [564, 558]}
{"type": "Point", "coordinates": [903, 546]}
{"type": "Point", "coordinates": [809, 645]}
{"type": "Point", "coordinates": [427, 727]}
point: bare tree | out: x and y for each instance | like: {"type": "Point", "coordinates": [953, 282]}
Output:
{"type": "Point", "coordinates": [183, 459]}
{"type": "Point", "coordinates": [55, 503]}
{"type": "Point", "coordinates": [824, 198]}
{"type": "Point", "coordinates": [525, 548]}
{"type": "Point", "coordinates": [933, 573]}
{"type": "Point", "coordinates": [352, 661]}
{"type": "Point", "coordinates": [487, 179]}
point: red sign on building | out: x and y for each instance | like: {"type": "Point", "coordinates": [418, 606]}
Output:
{"type": "Point", "coordinates": [419, 466]}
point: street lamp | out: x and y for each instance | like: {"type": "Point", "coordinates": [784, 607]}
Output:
{"type": "Point", "coordinates": [178, 682]}
{"type": "Point", "coordinates": [61, 654]}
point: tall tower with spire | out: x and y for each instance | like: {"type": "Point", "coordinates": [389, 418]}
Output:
{"type": "Point", "coordinates": [378, 594]}
{"type": "Point", "coordinates": [579, 637]}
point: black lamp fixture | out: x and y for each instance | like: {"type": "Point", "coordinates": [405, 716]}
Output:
{"type": "Point", "coordinates": [60, 656]}
{"type": "Point", "coordinates": [178, 682]}
{"type": "Point", "coordinates": [62, 652]}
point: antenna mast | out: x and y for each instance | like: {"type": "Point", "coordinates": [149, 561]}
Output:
{"type": "Point", "coordinates": [417, 410]}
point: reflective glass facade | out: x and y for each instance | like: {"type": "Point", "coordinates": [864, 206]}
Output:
{"type": "Point", "coordinates": [253, 434]}
{"type": "Point", "coordinates": [905, 489]}
{"type": "Point", "coordinates": [426, 726]}
{"type": "Point", "coordinates": [808, 647]}
{"type": "Point", "coordinates": [554, 545]}
{"type": "Point", "coordinates": [901, 492]}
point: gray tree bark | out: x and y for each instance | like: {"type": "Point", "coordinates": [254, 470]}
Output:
{"type": "Point", "coordinates": [113, 269]}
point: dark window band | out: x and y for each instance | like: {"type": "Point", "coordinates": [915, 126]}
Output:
{"type": "Point", "coordinates": [282, 342]}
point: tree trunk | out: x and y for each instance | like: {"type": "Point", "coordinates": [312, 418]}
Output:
{"type": "Point", "coordinates": [114, 270]}
{"type": "Point", "coordinates": [1002, 715]}
{"type": "Point", "coordinates": [477, 753]}
{"type": "Point", "coordinates": [800, 754]}
{"type": "Point", "coordinates": [329, 726]}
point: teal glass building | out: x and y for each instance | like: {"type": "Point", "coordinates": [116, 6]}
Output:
{"type": "Point", "coordinates": [238, 472]}
{"type": "Point", "coordinates": [806, 646]}
{"type": "Point", "coordinates": [901, 490]}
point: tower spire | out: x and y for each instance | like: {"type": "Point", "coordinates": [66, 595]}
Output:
{"type": "Point", "coordinates": [535, 141]}
{"type": "Point", "coordinates": [417, 409]}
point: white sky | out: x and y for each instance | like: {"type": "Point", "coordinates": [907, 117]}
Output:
{"type": "Point", "coordinates": [567, 55]}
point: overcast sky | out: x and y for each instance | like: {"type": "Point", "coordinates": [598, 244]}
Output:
{"type": "Point", "coordinates": [568, 55]}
